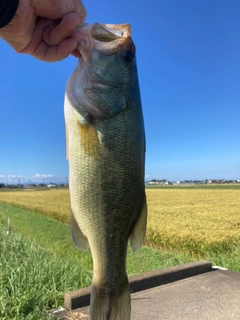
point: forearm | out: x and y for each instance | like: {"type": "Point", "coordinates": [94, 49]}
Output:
{"type": "Point", "coordinates": [8, 9]}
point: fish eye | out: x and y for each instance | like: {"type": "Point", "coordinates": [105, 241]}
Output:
{"type": "Point", "coordinates": [128, 56]}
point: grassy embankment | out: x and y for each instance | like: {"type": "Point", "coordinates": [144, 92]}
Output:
{"type": "Point", "coordinates": [32, 281]}
{"type": "Point", "coordinates": [39, 266]}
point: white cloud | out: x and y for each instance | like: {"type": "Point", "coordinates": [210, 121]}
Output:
{"type": "Point", "coordinates": [13, 176]}
{"type": "Point", "coordinates": [42, 175]}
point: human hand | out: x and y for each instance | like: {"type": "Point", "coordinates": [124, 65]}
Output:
{"type": "Point", "coordinates": [45, 29]}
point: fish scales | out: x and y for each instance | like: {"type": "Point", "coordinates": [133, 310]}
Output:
{"type": "Point", "coordinates": [106, 165]}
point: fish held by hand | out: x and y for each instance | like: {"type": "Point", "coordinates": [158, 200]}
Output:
{"type": "Point", "coordinates": [106, 152]}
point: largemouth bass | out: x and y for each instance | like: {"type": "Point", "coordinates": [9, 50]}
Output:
{"type": "Point", "coordinates": [106, 151]}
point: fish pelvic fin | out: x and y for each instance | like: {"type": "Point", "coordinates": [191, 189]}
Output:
{"type": "Point", "coordinates": [139, 231]}
{"type": "Point", "coordinates": [110, 303]}
{"type": "Point", "coordinates": [89, 139]}
{"type": "Point", "coordinates": [78, 238]}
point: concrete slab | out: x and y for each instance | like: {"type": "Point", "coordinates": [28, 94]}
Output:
{"type": "Point", "coordinates": [214, 294]}
{"type": "Point", "coordinates": [81, 298]}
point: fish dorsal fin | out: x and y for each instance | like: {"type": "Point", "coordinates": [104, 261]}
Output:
{"type": "Point", "coordinates": [78, 238]}
{"type": "Point", "coordinates": [139, 231]}
{"type": "Point", "coordinates": [67, 142]}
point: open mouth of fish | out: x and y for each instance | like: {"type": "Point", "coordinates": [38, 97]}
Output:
{"type": "Point", "coordinates": [101, 37]}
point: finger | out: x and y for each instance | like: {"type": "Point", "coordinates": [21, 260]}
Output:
{"type": "Point", "coordinates": [77, 34]}
{"type": "Point", "coordinates": [54, 53]}
{"type": "Point", "coordinates": [53, 35]}
{"type": "Point", "coordinates": [80, 9]}
{"type": "Point", "coordinates": [56, 9]}
{"type": "Point", "coordinates": [40, 25]}
{"type": "Point", "coordinates": [76, 53]}
{"type": "Point", "coordinates": [47, 51]}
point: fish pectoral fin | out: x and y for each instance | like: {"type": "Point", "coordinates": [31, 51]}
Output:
{"type": "Point", "coordinates": [139, 231]}
{"type": "Point", "coordinates": [67, 139]}
{"type": "Point", "coordinates": [78, 238]}
{"type": "Point", "coordinates": [89, 140]}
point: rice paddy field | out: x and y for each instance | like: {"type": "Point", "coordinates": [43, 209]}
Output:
{"type": "Point", "coordinates": [191, 219]}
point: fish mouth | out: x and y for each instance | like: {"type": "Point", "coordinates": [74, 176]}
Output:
{"type": "Point", "coordinates": [101, 37]}
{"type": "Point", "coordinates": [110, 32]}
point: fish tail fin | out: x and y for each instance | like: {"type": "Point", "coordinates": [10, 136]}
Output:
{"type": "Point", "coordinates": [110, 303]}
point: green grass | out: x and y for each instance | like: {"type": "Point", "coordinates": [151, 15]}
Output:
{"type": "Point", "coordinates": [55, 237]}
{"type": "Point", "coordinates": [49, 234]}
{"type": "Point", "coordinates": [32, 280]}
{"type": "Point", "coordinates": [39, 264]}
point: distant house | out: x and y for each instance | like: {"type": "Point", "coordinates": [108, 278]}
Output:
{"type": "Point", "coordinates": [153, 182]}
{"type": "Point", "coordinates": [30, 186]}
{"type": "Point", "coordinates": [51, 185]}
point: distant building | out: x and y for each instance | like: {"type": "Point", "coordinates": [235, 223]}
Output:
{"type": "Point", "coordinates": [51, 185]}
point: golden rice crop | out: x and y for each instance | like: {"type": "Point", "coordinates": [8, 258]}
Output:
{"type": "Point", "coordinates": [54, 203]}
{"type": "Point", "coordinates": [193, 220]}
{"type": "Point", "coordinates": [197, 220]}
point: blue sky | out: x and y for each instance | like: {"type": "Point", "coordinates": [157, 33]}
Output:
{"type": "Point", "coordinates": [188, 55]}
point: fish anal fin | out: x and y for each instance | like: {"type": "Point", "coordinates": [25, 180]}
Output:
{"type": "Point", "coordinates": [78, 238]}
{"type": "Point", "coordinates": [110, 303]}
{"type": "Point", "coordinates": [139, 231]}
{"type": "Point", "coordinates": [89, 139]}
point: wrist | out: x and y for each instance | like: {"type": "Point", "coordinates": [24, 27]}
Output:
{"type": "Point", "coordinates": [7, 11]}
{"type": "Point", "coordinates": [17, 31]}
